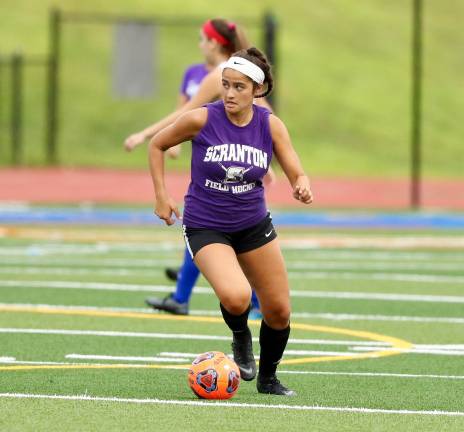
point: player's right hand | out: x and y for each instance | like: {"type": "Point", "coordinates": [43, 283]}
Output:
{"type": "Point", "coordinates": [164, 209]}
{"type": "Point", "coordinates": [134, 140]}
{"type": "Point", "coordinates": [173, 152]}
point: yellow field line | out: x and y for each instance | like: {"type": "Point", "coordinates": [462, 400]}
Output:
{"type": "Point", "coordinates": [398, 345]}
{"type": "Point", "coordinates": [90, 235]}
{"type": "Point", "coordinates": [86, 235]}
{"type": "Point", "coordinates": [95, 366]}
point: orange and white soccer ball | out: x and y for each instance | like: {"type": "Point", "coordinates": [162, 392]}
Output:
{"type": "Point", "coordinates": [213, 375]}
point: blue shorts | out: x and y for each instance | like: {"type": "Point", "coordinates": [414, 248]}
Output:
{"type": "Point", "coordinates": [240, 241]}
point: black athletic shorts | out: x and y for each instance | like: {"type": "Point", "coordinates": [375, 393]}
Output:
{"type": "Point", "coordinates": [240, 241]}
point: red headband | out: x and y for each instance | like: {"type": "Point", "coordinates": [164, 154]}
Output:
{"type": "Point", "coordinates": [212, 33]}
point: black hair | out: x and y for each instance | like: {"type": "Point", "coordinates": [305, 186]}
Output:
{"type": "Point", "coordinates": [254, 55]}
{"type": "Point", "coordinates": [235, 37]}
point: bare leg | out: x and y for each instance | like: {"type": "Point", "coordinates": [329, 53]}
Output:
{"type": "Point", "coordinates": [265, 269]}
{"type": "Point", "coordinates": [219, 265]}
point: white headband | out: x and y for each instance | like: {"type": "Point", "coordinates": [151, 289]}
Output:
{"type": "Point", "coordinates": [246, 67]}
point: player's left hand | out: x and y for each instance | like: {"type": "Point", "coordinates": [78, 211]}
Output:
{"type": "Point", "coordinates": [302, 190]}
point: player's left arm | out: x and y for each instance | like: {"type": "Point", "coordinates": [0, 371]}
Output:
{"type": "Point", "coordinates": [263, 102]}
{"type": "Point", "coordinates": [289, 161]}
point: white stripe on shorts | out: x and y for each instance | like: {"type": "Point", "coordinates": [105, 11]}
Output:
{"type": "Point", "coordinates": [184, 233]}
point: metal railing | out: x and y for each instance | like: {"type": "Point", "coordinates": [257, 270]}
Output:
{"type": "Point", "coordinates": [14, 65]}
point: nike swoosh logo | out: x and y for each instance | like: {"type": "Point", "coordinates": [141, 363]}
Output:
{"type": "Point", "coordinates": [241, 64]}
{"type": "Point", "coordinates": [268, 234]}
{"type": "Point", "coordinates": [246, 370]}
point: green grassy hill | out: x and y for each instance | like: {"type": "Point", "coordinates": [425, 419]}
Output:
{"type": "Point", "coordinates": [343, 81]}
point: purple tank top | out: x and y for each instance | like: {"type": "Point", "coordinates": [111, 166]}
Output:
{"type": "Point", "coordinates": [192, 79]}
{"type": "Point", "coordinates": [228, 164]}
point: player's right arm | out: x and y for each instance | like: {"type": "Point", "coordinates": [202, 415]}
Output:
{"type": "Point", "coordinates": [183, 129]}
{"type": "Point", "coordinates": [208, 91]}
{"type": "Point", "coordinates": [174, 152]}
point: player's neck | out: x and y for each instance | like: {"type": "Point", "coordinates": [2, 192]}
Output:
{"type": "Point", "coordinates": [241, 118]}
{"type": "Point", "coordinates": [218, 59]}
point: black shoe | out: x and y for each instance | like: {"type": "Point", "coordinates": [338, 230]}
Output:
{"type": "Point", "coordinates": [168, 304]}
{"type": "Point", "coordinates": [271, 385]}
{"type": "Point", "coordinates": [171, 273]}
{"type": "Point", "coordinates": [242, 347]}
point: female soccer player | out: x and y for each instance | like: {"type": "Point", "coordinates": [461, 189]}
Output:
{"type": "Point", "coordinates": [226, 225]}
{"type": "Point", "coordinates": [218, 40]}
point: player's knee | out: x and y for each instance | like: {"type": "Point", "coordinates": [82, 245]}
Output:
{"type": "Point", "coordinates": [236, 303]}
{"type": "Point", "coordinates": [278, 317]}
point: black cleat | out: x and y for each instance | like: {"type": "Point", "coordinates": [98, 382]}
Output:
{"type": "Point", "coordinates": [171, 273]}
{"type": "Point", "coordinates": [271, 385]}
{"type": "Point", "coordinates": [168, 304]}
{"type": "Point", "coordinates": [242, 347]}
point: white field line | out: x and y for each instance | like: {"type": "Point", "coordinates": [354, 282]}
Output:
{"type": "Point", "coordinates": [281, 371]}
{"type": "Point", "coordinates": [52, 363]}
{"type": "Point", "coordinates": [378, 296]}
{"type": "Point", "coordinates": [95, 262]}
{"type": "Point", "coordinates": [96, 286]}
{"type": "Point", "coordinates": [405, 277]}
{"type": "Point", "coordinates": [304, 315]}
{"type": "Point", "coordinates": [138, 264]}
{"type": "Point", "coordinates": [233, 404]}
{"type": "Point", "coordinates": [353, 345]}
{"type": "Point", "coordinates": [367, 317]}
{"type": "Point", "coordinates": [343, 255]}
{"type": "Point", "coordinates": [61, 271]}
{"type": "Point", "coordinates": [179, 356]}
{"type": "Point", "coordinates": [7, 359]}
{"type": "Point", "coordinates": [415, 350]}
{"type": "Point", "coordinates": [373, 374]}
{"type": "Point", "coordinates": [347, 317]}
{"type": "Point", "coordinates": [106, 333]}
{"type": "Point", "coordinates": [204, 290]}
{"type": "Point", "coordinates": [123, 358]}
{"type": "Point", "coordinates": [409, 242]}
{"type": "Point", "coordinates": [104, 365]}
{"type": "Point", "coordinates": [315, 241]}
{"type": "Point", "coordinates": [68, 271]}
{"type": "Point", "coordinates": [396, 277]}
{"type": "Point", "coordinates": [40, 250]}
{"type": "Point", "coordinates": [319, 353]}
{"type": "Point", "coordinates": [286, 353]}
{"type": "Point", "coordinates": [444, 346]}
{"type": "Point", "coordinates": [142, 267]}
{"type": "Point", "coordinates": [346, 265]}
{"type": "Point", "coordinates": [36, 251]}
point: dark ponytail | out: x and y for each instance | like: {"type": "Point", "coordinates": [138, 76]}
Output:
{"type": "Point", "coordinates": [233, 34]}
{"type": "Point", "coordinates": [259, 59]}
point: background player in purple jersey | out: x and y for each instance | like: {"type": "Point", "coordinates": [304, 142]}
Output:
{"type": "Point", "coordinates": [218, 39]}
{"type": "Point", "coordinates": [231, 39]}
{"type": "Point", "coordinates": [226, 225]}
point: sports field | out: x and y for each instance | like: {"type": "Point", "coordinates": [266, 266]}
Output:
{"type": "Point", "coordinates": [377, 340]}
